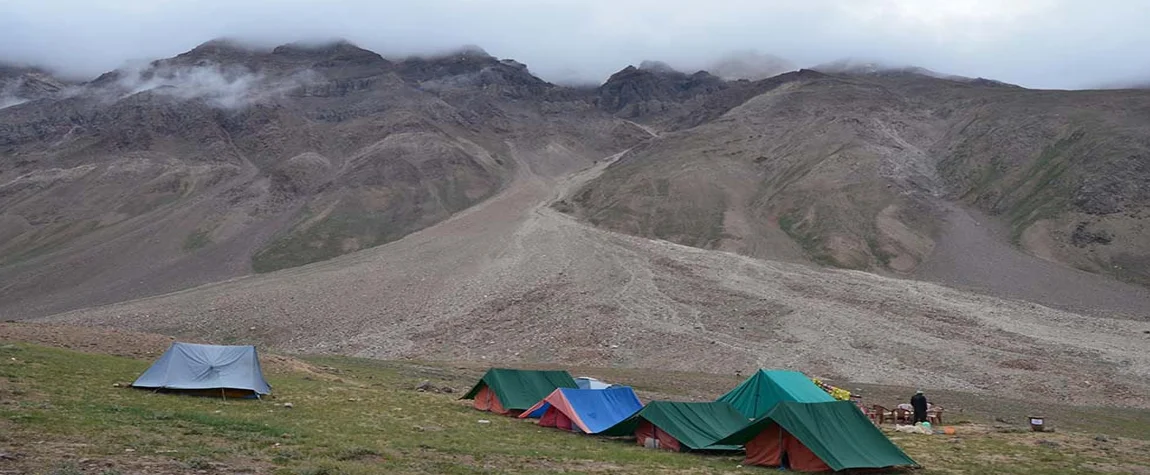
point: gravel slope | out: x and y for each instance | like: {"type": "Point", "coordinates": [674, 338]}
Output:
{"type": "Point", "coordinates": [512, 280]}
{"type": "Point", "coordinates": [973, 252]}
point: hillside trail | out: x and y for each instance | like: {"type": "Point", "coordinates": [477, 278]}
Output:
{"type": "Point", "coordinates": [514, 280]}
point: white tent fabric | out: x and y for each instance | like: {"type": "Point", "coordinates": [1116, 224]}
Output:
{"type": "Point", "coordinates": [586, 382]}
{"type": "Point", "coordinates": [193, 366]}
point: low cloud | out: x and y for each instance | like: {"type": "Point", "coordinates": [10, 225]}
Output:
{"type": "Point", "coordinates": [226, 87]}
{"type": "Point", "coordinates": [1035, 43]}
{"type": "Point", "coordinates": [10, 100]}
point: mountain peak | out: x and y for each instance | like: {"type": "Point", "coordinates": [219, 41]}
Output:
{"type": "Point", "coordinates": [657, 67]}
{"type": "Point", "coordinates": [20, 84]}
{"type": "Point", "coordinates": [335, 47]}
{"type": "Point", "coordinates": [472, 50]}
{"type": "Point", "coordinates": [220, 49]}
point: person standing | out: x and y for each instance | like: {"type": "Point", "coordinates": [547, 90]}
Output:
{"type": "Point", "coordinates": [918, 403]}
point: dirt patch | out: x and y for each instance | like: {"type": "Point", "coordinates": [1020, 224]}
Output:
{"type": "Point", "coordinates": [110, 341]}
{"type": "Point", "coordinates": [60, 457]}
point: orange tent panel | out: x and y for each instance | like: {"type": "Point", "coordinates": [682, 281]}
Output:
{"type": "Point", "coordinates": [555, 418]}
{"type": "Point", "coordinates": [768, 449]}
{"type": "Point", "coordinates": [800, 457]}
{"type": "Point", "coordinates": [562, 421]}
{"type": "Point", "coordinates": [647, 430]}
{"type": "Point", "coordinates": [486, 400]}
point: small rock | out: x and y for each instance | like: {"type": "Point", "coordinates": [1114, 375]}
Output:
{"type": "Point", "coordinates": [289, 405]}
{"type": "Point", "coordinates": [1102, 438]}
{"type": "Point", "coordinates": [447, 389]}
{"type": "Point", "coordinates": [614, 346]}
{"type": "Point", "coordinates": [129, 450]}
{"type": "Point", "coordinates": [115, 385]}
{"type": "Point", "coordinates": [424, 386]}
{"type": "Point", "coordinates": [483, 421]}
{"type": "Point", "coordinates": [252, 328]}
{"type": "Point", "coordinates": [286, 436]}
{"type": "Point", "coordinates": [4, 456]}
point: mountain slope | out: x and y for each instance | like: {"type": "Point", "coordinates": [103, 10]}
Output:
{"type": "Point", "coordinates": [856, 169]}
{"type": "Point", "coordinates": [224, 160]}
{"type": "Point", "coordinates": [788, 170]}
{"type": "Point", "coordinates": [513, 280]}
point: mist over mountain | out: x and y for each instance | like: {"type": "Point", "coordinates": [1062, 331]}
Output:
{"type": "Point", "coordinates": [751, 65]}
{"type": "Point", "coordinates": [1064, 44]}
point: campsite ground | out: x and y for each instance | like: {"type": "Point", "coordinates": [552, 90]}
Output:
{"type": "Point", "coordinates": [61, 414]}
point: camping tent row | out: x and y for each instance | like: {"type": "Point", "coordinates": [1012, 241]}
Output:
{"type": "Point", "coordinates": [780, 417]}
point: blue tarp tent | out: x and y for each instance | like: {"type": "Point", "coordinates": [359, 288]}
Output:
{"type": "Point", "coordinates": [588, 410]}
{"type": "Point", "coordinates": [207, 369]}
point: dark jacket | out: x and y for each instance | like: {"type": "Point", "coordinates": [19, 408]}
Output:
{"type": "Point", "coordinates": [918, 402]}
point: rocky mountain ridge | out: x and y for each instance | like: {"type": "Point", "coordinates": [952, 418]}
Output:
{"type": "Point", "coordinates": [226, 160]}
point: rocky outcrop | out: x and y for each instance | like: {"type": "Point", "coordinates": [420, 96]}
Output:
{"type": "Point", "coordinates": [658, 89]}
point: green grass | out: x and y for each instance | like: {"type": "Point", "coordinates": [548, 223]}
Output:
{"type": "Point", "coordinates": [59, 406]}
{"type": "Point", "coordinates": [196, 240]}
{"type": "Point", "coordinates": [878, 252]}
{"type": "Point", "coordinates": [1022, 453]}
{"type": "Point", "coordinates": [1047, 193]}
{"type": "Point", "coordinates": [808, 237]}
{"type": "Point", "coordinates": [49, 239]}
{"type": "Point", "coordinates": [375, 425]}
{"type": "Point", "coordinates": [325, 239]}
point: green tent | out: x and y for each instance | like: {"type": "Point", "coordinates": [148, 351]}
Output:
{"type": "Point", "coordinates": [693, 425]}
{"type": "Point", "coordinates": [837, 433]}
{"type": "Point", "coordinates": [518, 389]}
{"type": "Point", "coordinates": [758, 394]}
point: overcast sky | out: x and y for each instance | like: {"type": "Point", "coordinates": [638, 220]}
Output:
{"type": "Point", "coordinates": [1035, 43]}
